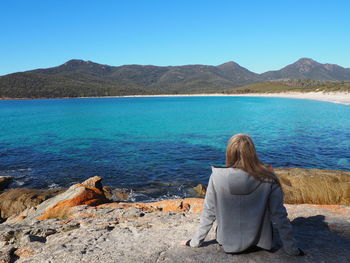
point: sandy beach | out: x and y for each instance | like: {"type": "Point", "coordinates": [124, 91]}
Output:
{"type": "Point", "coordinates": [334, 97]}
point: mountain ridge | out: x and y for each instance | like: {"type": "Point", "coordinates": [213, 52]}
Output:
{"type": "Point", "coordinates": [310, 69]}
{"type": "Point", "coordinates": [81, 78]}
{"type": "Point", "coordinates": [303, 60]}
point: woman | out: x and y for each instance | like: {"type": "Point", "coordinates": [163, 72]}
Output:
{"type": "Point", "coordinates": [245, 198]}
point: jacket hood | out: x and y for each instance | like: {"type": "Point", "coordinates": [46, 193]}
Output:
{"type": "Point", "coordinates": [236, 181]}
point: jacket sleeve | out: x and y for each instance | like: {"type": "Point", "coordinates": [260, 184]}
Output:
{"type": "Point", "coordinates": [207, 216]}
{"type": "Point", "coordinates": [280, 220]}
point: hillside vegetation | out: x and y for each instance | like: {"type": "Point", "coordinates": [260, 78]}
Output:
{"type": "Point", "coordinates": [79, 78]}
{"type": "Point", "coordinates": [294, 85]}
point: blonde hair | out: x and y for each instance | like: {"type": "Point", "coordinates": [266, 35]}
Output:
{"type": "Point", "coordinates": [241, 153]}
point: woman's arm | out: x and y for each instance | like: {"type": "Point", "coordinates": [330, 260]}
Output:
{"type": "Point", "coordinates": [207, 216]}
{"type": "Point", "coordinates": [281, 221]}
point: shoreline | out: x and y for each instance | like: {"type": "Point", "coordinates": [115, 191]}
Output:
{"type": "Point", "coordinates": [196, 190]}
{"type": "Point", "coordinates": [81, 225]}
{"type": "Point", "coordinates": [333, 97]}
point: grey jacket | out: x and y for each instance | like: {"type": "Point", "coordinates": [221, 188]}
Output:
{"type": "Point", "coordinates": [245, 209]}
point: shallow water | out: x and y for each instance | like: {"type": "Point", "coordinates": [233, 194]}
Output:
{"type": "Point", "coordinates": [165, 144]}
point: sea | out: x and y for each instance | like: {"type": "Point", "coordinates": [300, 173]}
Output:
{"type": "Point", "coordinates": [161, 147]}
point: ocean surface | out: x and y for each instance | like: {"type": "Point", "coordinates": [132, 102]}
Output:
{"type": "Point", "coordinates": [160, 147]}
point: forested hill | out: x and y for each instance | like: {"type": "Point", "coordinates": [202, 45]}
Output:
{"type": "Point", "coordinates": [294, 85]}
{"type": "Point", "coordinates": [79, 78]}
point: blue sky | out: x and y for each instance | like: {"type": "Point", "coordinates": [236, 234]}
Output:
{"type": "Point", "coordinates": [259, 35]}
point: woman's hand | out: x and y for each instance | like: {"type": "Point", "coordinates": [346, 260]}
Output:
{"type": "Point", "coordinates": [184, 243]}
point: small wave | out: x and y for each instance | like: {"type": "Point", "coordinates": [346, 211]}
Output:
{"type": "Point", "coordinates": [165, 197]}
{"type": "Point", "coordinates": [53, 186]}
{"type": "Point", "coordinates": [159, 194]}
{"type": "Point", "coordinates": [19, 183]}
{"type": "Point", "coordinates": [136, 196]}
{"type": "Point", "coordinates": [21, 177]}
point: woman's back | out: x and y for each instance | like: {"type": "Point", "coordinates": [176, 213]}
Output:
{"type": "Point", "coordinates": [244, 208]}
{"type": "Point", "coordinates": [245, 198]}
{"type": "Point", "coordinates": [241, 209]}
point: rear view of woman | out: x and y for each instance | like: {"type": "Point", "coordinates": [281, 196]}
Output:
{"type": "Point", "coordinates": [245, 198]}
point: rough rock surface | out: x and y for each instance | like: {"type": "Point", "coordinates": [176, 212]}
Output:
{"type": "Point", "coordinates": [106, 234]}
{"type": "Point", "coordinates": [116, 194]}
{"type": "Point", "coordinates": [310, 186]}
{"type": "Point", "coordinates": [87, 193]}
{"type": "Point", "coordinates": [14, 201]}
{"type": "Point", "coordinates": [174, 205]}
{"type": "Point", "coordinates": [200, 190]}
{"type": "Point", "coordinates": [4, 182]}
{"type": "Point", "coordinates": [91, 230]}
{"type": "Point", "coordinates": [315, 186]}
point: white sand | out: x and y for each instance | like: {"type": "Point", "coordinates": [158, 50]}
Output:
{"type": "Point", "coordinates": [335, 97]}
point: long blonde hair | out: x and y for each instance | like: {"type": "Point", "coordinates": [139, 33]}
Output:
{"type": "Point", "coordinates": [241, 153]}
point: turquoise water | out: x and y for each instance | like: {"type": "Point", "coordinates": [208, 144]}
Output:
{"type": "Point", "coordinates": [166, 143]}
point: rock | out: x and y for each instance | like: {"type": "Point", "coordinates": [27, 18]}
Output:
{"type": "Point", "coordinates": [175, 205]}
{"type": "Point", "coordinates": [17, 218]}
{"type": "Point", "coordinates": [311, 186]}
{"type": "Point", "coordinates": [6, 255]}
{"type": "Point", "coordinates": [14, 201]}
{"type": "Point", "coordinates": [315, 186]}
{"type": "Point", "coordinates": [93, 182]}
{"type": "Point", "coordinates": [123, 235]}
{"type": "Point", "coordinates": [116, 194]}
{"type": "Point", "coordinates": [200, 189]}
{"type": "Point", "coordinates": [121, 194]}
{"type": "Point", "coordinates": [88, 193]}
{"type": "Point", "coordinates": [108, 192]}
{"type": "Point", "coordinates": [24, 252]}
{"type": "Point", "coordinates": [4, 182]}
{"type": "Point", "coordinates": [33, 238]}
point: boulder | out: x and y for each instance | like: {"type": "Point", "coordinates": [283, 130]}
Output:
{"type": "Point", "coordinates": [200, 190]}
{"type": "Point", "coordinates": [315, 186]}
{"type": "Point", "coordinates": [15, 201]}
{"type": "Point", "coordinates": [18, 218]}
{"type": "Point", "coordinates": [4, 182]}
{"type": "Point", "coordinates": [310, 186]}
{"type": "Point", "coordinates": [108, 192]}
{"type": "Point", "coordinates": [87, 193]}
{"type": "Point", "coordinates": [116, 194]}
{"type": "Point", "coordinates": [93, 182]}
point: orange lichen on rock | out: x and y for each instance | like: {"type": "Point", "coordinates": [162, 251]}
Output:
{"type": "Point", "coordinates": [177, 205]}
{"type": "Point", "coordinates": [86, 196]}
{"type": "Point", "coordinates": [24, 252]}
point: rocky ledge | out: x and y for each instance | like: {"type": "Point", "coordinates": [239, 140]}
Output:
{"type": "Point", "coordinates": [81, 225]}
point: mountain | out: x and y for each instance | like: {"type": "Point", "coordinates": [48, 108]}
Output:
{"type": "Point", "coordinates": [306, 68]}
{"type": "Point", "coordinates": [79, 78]}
